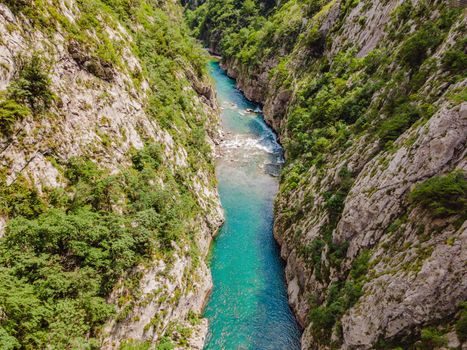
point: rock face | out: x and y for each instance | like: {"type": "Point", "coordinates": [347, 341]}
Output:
{"type": "Point", "coordinates": [367, 268]}
{"type": "Point", "coordinates": [95, 66]}
{"type": "Point", "coordinates": [100, 112]}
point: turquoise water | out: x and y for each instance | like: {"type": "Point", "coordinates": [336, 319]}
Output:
{"type": "Point", "coordinates": [248, 307]}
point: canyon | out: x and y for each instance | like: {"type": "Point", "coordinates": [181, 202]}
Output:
{"type": "Point", "coordinates": [116, 136]}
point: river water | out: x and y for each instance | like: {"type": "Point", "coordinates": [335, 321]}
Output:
{"type": "Point", "coordinates": [248, 306]}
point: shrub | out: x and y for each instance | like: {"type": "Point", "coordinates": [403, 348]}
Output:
{"type": "Point", "coordinates": [10, 112]}
{"type": "Point", "coordinates": [334, 204]}
{"type": "Point", "coordinates": [442, 195]}
{"type": "Point", "coordinates": [461, 324]}
{"type": "Point", "coordinates": [33, 85]}
{"type": "Point", "coordinates": [402, 118]}
{"type": "Point", "coordinates": [150, 156]}
{"type": "Point", "coordinates": [17, 5]}
{"type": "Point", "coordinates": [402, 12]}
{"type": "Point", "coordinates": [431, 338]}
{"type": "Point", "coordinates": [20, 198]}
{"type": "Point", "coordinates": [455, 61]}
{"type": "Point", "coordinates": [312, 253]}
{"type": "Point", "coordinates": [135, 345]}
{"type": "Point", "coordinates": [414, 50]}
{"type": "Point", "coordinates": [315, 41]}
{"type": "Point", "coordinates": [323, 319]}
{"type": "Point", "coordinates": [360, 265]}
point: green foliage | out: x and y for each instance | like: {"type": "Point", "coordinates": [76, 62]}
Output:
{"type": "Point", "coordinates": [33, 85]}
{"type": "Point", "coordinates": [135, 345]}
{"type": "Point", "coordinates": [415, 49]}
{"type": "Point", "coordinates": [30, 91]}
{"type": "Point", "coordinates": [403, 116]}
{"type": "Point", "coordinates": [17, 5]}
{"type": "Point", "coordinates": [431, 338]}
{"type": "Point", "coordinates": [148, 157]}
{"type": "Point", "coordinates": [341, 296]}
{"type": "Point", "coordinates": [193, 318]}
{"type": "Point", "coordinates": [443, 195]}
{"type": "Point", "coordinates": [360, 265]}
{"type": "Point", "coordinates": [239, 29]}
{"type": "Point", "coordinates": [461, 323]}
{"type": "Point", "coordinates": [334, 204]}
{"type": "Point", "coordinates": [20, 199]}
{"type": "Point", "coordinates": [402, 12]}
{"type": "Point", "coordinates": [60, 264]}
{"type": "Point", "coordinates": [165, 344]}
{"type": "Point", "coordinates": [10, 112]}
{"type": "Point", "coordinates": [326, 108]}
{"type": "Point", "coordinates": [455, 60]}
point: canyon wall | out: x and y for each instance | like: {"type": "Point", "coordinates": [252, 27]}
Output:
{"type": "Point", "coordinates": [108, 124]}
{"type": "Point", "coordinates": [368, 99]}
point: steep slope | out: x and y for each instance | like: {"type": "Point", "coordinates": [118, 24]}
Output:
{"type": "Point", "coordinates": [108, 195]}
{"type": "Point", "coordinates": [368, 98]}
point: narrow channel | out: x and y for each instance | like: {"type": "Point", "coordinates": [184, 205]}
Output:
{"type": "Point", "coordinates": [248, 307]}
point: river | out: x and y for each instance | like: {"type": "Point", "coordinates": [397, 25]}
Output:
{"type": "Point", "coordinates": [248, 307]}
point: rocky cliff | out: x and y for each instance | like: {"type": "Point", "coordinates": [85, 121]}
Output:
{"type": "Point", "coordinates": [368, 98]}
{"type": "Point", "coordinates": [108, 195]}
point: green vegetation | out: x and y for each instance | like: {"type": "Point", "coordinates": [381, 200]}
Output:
{"type": "Point", "coordinates": [461, 323]}
{"type": "Point", "coordinates": [30, 91]}
{"type": "Point", "coordinates": [431, 338]}
{"type": "Point", "coordinates": [403, 116]}
{"type": "Point", "coordinates": [442, 195]}
{"type": "Point", "coordinates": [65, 248]}
{"type": "Point", "coordinates": [455, 59]}
{"type": "Point", "coordinates": [341, 296]}
{"type": "Point", "coordinates": [132, 345]}
{"type": "Point", "coordinates": [415, 49]}
{"type": "Point", "coordinates": [59, 263]}
{"type": "Point", "coordinates": [20, 199]}
{"type": "Point", "coordinates": [33, 85]}
{"type": "Point", "coordinates": [16, 5]}
{"type": "Point", "coordinates": [10, 112]}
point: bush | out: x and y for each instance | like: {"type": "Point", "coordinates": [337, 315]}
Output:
{"type": "Point", "coordinates": [443, 195]}
{"type": "Point", "coordinates": [431, 338]}
{"type": "Point", "coordinates": [402, 118]}
{"type": "Point", "coordinates": [20, 199]}
{"type": "Point", "coordinates": [360, 265]}
{"type": "Point", "coordinates": [10, 112]}
{"type": "Point", "coordinates": [17, 5]}
{"type": "Point", "coordinates": [414, 50]}
{"type": "Point", "coordinates": [33, 85]}
{"type": "Point", "coordinates": [461, 324]}
{"type": "Point", "coordinates": [312, 254]}
{"type": "Point", "coordinates": [55, 271]}
{"type": "Point", "coordinates": [315, 41]}
{"type": "Point", "coordinates": [455, 61]}
{"type": "Point", "coordinates": [150, 156]}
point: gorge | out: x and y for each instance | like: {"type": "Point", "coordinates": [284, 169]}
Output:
{"type": "Point", "coordinates": [146, 203]}
{"type": "Point", "coordinates": [248, 308]}
{"type": "Point", "coordinates": [368, 99]}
